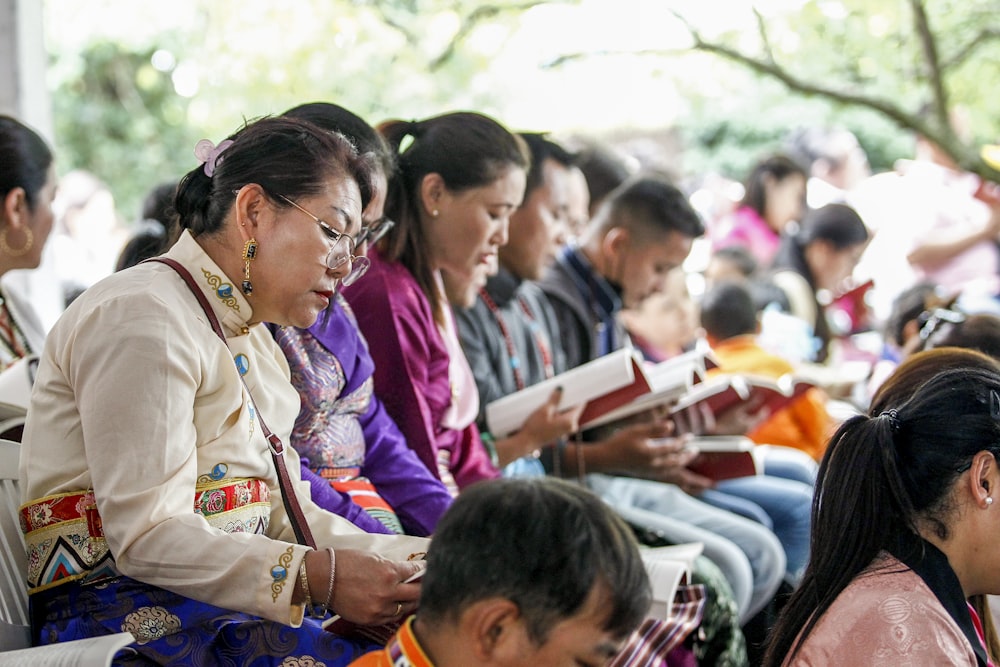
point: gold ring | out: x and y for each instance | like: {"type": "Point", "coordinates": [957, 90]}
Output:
{"type": "Point", "coordinates": [399, 608]}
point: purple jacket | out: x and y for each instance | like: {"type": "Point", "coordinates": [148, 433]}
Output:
{"type": "Point", "coordinates": [332, 369]}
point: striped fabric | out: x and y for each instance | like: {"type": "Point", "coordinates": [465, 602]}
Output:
{"type": "Point", "coordinates": [655, 639]}
{"type": "Point", "coordinates": [363, 493]}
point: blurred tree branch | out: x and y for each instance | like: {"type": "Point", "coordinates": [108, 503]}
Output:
{"type": "Point", "coordinates": [933, 70]}
{"type": "Point", "coordinates": [470, 21]}
{"type": "Point", "coordinates": [939, 130]}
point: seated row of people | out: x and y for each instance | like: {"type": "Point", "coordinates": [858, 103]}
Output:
{"type": "Point", "coordinates": [388, 378]}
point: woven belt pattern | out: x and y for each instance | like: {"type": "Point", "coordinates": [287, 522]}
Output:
{"type": "Point", "coordinates": [65, 539]}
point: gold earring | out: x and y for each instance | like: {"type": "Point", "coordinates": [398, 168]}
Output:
{"type": "Point", "coordinates": [249, 253]}
{"type": "Point", "coordinates": [28, 243]}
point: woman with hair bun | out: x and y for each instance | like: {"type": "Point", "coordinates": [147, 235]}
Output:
{"type": "Point", "coordinates": [156, 499]}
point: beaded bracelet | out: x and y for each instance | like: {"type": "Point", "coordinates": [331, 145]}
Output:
{"type": "Point", "coordinates": [320, 609]}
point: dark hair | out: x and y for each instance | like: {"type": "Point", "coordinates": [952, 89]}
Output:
{"type": "Point", "coordinates": [285, 156]}
{"type": "Point", "coordinates": [25, 159]}
{"type": "Point", "coordinates": [907, 307]}
{"type": "Point", "coordinates": [335, 118]}
{"type": "Point", "coordinates": [468, 150]}
{"type": "Point", "coordinates": [836, 224]}
{"type": "Point", "coordinates": [649, 205]}
{"type": "Point", "coordinates": [728, 310]}
{"type": "Point", "coordinates": [979, 332]}
{"type": "Point", "coordinates": [740, 257]}
{"type": "Point", "coordinates": [603, 170]}
{"type": "Point", "coordinates": [149, 239]}
{"type": "Point", "coordinates": [885, 471]}
{"type": "Point", "coordinates": [779, 167]}
{"type": "Point", "coordinates": [541, 149]}
{"type": "Point", "coordinates": [542, 543]}
{"type": "Point", "coordinates": [159, 204]}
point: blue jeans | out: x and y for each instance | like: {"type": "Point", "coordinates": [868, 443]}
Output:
{"type": "Point", "coordinates": [787, 503]}
{"type": "Point", "coordinates": [749, 555]}
{"type": "Point", "coordinates": [788, 463]}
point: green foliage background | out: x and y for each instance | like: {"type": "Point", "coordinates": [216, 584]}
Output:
{"type": "Point", "coordinates": [121, 117]}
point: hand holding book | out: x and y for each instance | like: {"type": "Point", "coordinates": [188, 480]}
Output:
{"type": "Point", "coordinates": [672, 458]}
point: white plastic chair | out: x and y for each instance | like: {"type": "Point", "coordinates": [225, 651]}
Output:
{"type": "Point", "coordinates": [15, 631]}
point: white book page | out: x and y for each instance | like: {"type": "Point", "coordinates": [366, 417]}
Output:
{"type": "Point", "coordinates": [666, 567]}
{"type": "Point", "coordinates": [79, 653]}
{"type": "Point", "coordinates": [580, 385]}
{"type": "Point", "coordinates": [668, 380]}
{"type": "Point", "coordinates": [720, 443]}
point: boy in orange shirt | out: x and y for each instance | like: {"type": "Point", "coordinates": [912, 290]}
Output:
{"type": "Point", "coordinates": [729, 318]}
{"type": "Point", "coordinates": [524, 572]}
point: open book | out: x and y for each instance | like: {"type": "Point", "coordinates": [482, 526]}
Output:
{"type": "Point", "coordinates": [79, 653]}
{"type": "Point", "coordinates": [668, 381]}
{"type": "Point", "coordinates": [724, 391]}
{"type": "Point", "coordinates": [668, 567]}
{"type": "Point", "coordinates": [603, 385]}
{"type": "Point", "coordinates": [724, 457]}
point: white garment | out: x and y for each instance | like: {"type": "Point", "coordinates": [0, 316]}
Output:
{"type": "Point", "coordinates": [137, 399]}
{"type": "Point", "coordinates": [27, 323]}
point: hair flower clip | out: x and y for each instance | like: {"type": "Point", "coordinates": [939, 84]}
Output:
{"type": "Point", "coordinates": [208, 153]}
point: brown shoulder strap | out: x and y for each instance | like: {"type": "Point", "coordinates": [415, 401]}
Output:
{"type": "Point", "coordinates": [288, 497]}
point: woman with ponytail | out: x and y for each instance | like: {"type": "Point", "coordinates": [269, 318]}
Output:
{"type": "Point", "coordinates": [904, 528]}
{"type": "Point", "coordinates": [459, 177]}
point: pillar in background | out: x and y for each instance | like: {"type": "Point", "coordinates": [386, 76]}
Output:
{"type": "Point", "coordinates": [23, 89]}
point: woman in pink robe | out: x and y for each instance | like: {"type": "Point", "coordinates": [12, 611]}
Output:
{"type": "Point", "coordinates": [904, 526]}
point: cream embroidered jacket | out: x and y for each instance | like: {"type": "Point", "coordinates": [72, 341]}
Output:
{"type": "Point", "coordinates": [139, 400]}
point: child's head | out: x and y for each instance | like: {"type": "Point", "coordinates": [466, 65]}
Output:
{"type": "Point", "coordinates": [728, 310]}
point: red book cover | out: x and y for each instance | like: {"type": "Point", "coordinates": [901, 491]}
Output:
{"type": "Point", "coordinates": [617, 398]}
{"type": "Point", "coordinates": [722, 392]}
{"type": "Point", "coordinates": [723, 457]}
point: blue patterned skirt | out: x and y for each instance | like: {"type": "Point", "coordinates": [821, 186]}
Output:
{"type": "Point", "coordinates": [174, 630]}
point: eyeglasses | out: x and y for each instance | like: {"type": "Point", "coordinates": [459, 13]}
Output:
{"type": "Point", "coordinates": [373, 233]}
{"type": "Point", "coordinates": [341, 250]}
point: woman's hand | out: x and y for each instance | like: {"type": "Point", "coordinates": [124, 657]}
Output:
{"type": "Point", "coordinates": [741, 418]}
{"type": "Point", "coordinates": [641, 450]}
{"type": "Point", "coordinates": [368, 589]}
{"type": "Point", "coordinates": [543, 426]}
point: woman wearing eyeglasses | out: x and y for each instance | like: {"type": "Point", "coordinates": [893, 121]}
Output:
{"type": "Point", "coordinates": [353, 454]}
{"type": "Point", "coordinates": [459, 178]}
{"type": "Point", "coordinates": [154, 500]}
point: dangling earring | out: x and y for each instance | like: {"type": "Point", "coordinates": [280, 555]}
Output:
{"type": "Point", "coordinates": [29, 240]}
{"type": "Point", "coordinates": [249, 253]}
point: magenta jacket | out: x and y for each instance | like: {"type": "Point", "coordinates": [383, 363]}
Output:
{"type": "Point", "coordinates": [411, 370]}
